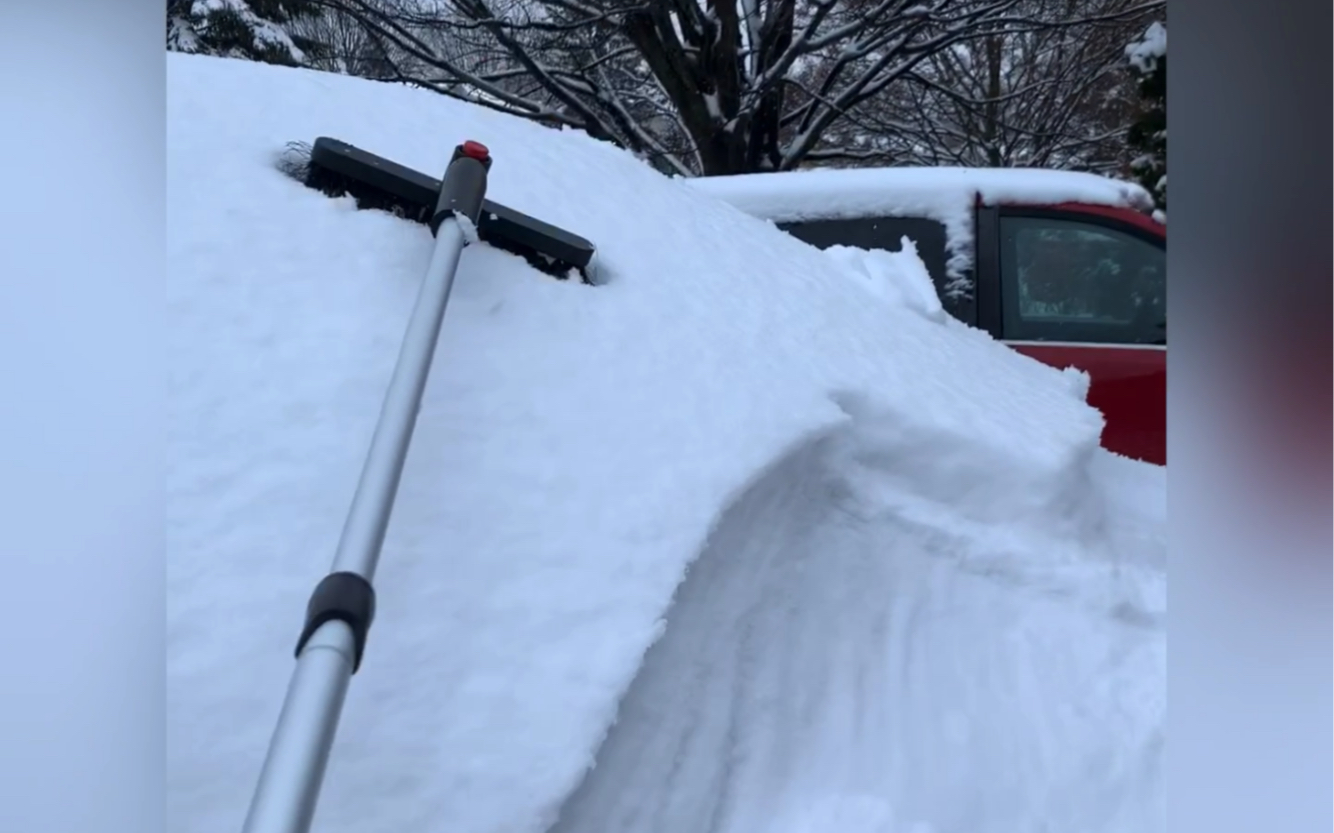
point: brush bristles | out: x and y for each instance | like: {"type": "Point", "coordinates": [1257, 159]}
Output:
{"type": "Point", "coordinates": [558, 269]}
{"type": "Point", "coordinates": [333, 184]}
{"type": "Point", "coordinates": [294, 160]}
{"type": "Point", "coordinates": [295, 163]}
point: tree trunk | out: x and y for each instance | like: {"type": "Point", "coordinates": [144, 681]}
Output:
{"type": "Point", "coordinates": [991, 119]}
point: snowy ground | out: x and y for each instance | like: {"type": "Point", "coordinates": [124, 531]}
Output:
{"type": "Point", "coordinates": [928, 596]}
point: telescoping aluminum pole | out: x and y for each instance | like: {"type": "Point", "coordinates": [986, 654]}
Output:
{"type": "Point", "coordinates": [342, 606]}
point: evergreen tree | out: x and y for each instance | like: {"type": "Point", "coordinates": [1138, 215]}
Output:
{"type": "Point", "coordinates": [256, 30]}
{"type": "Point", "coordinates": [1148, 135]}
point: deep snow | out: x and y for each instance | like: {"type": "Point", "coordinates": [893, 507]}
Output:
{"type": "Point", "coordinates": [886, 489]}
{"type": "Point", "coordinates": [840, 660]}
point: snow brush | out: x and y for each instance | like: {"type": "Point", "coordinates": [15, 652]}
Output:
{"type": "Point", "coordinates": [338, 169]}
{"type": "Point", "coordinates": [342, 606]}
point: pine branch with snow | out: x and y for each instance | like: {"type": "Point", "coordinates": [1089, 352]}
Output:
{"type": "Point", "coordinates": [256, 30]}
{"type": "Point", "coordinates": [1148, 135]}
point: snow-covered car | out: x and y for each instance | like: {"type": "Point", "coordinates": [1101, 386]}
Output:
{"type": "Point", "coordinates": [1068, 268]}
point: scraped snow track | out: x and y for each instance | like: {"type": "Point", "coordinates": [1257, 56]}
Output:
{"type": "Point", "coordinates": [831, 663]}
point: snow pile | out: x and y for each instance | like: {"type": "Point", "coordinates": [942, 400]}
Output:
{"type": "Point", "coordinates": [899, 277]}
{"type": "Point", "coordinates": [575, 450]}
{"type": "Point", "coordinates": [947, 195]}
{"type": "Point", "coordinates": [852, 656]}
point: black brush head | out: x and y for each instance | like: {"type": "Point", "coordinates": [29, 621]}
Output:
{"type": "Point", "coordinates": [337, 169]}
{"type": "Point", "coordinates": [381, 183]}
{"type": "Point", "coordinates": [301, 162]}
{"type": "Point", "coordinates": [334, 184]}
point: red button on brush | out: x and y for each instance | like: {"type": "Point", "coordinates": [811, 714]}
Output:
{"type": "Point", "coordinates": [476, 150]}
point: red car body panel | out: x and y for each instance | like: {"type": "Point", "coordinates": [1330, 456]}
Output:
{"type": "Point", "coordinates": [1125, 215]}
{"type": "Point", "coordinates": [1129, 386]}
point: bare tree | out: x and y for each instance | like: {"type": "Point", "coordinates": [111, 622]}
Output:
{"type": "Point", "coordinates": [348, 49]}
{"type": "Point", "coordinates": [1049, 97]}
{"type": "Point", "coordinates": [698, 86]}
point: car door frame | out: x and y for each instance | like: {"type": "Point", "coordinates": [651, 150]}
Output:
{"type": "Point", "coordinates": [989, 301]}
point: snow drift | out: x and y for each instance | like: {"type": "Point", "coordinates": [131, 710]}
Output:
{"type": "Point", "coordinates": [576, 448]}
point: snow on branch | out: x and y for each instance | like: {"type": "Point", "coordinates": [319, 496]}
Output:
{"type": "Point", "coordinates": [734, 86]}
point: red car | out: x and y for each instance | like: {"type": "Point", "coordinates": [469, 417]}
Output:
{"type": "Point", "coordinates": [1069, 269]}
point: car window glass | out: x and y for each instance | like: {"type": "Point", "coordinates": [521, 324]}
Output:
{"type": "Point", "coordinates": [1069, 280]}
{"type": "Point", "coordinates": [929, 237]}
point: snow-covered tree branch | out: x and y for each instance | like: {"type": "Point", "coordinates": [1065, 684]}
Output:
{"type": "Point", "coordinates": [1148, 135]}
{"type": "Point", "coordinates": [1052, 95]}
{"type": "Point", "coordinates": [733, 86]}
{"type": "Point", "coordinates": [259, 30]}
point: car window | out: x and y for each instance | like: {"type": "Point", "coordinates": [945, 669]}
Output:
{"type": "Point", "coordinates": [887, 233]}
{"type": "Point", "coordinates": [1070, 280]}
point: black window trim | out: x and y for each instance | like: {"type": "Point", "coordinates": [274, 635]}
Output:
{"type": "Point", "coordinates": [987, 281]}
{"type": "Point", "coordinates": [986, 270]}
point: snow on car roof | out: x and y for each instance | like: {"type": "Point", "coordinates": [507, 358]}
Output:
{"type": "Point", "coordinates": [898, 192]}
{"type": "Point", "coordinates": [946, 195]}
